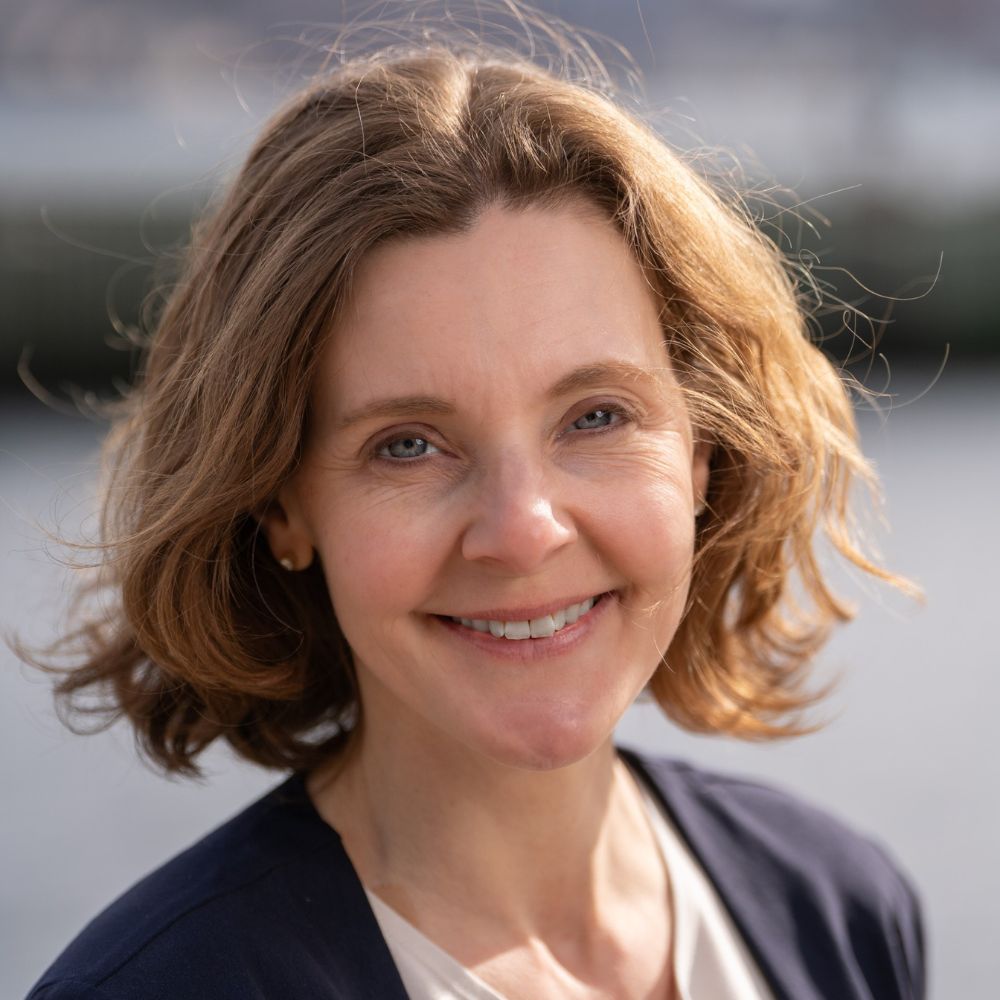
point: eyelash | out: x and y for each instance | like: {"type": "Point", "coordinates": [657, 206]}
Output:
{"type": "Point", "coordinates": [395, 439]}
{"type": "Point", "coordinates": [623, 413]}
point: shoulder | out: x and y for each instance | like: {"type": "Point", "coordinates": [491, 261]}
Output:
{"type": "Point", "coordinates": [780, 861]}
{"type": "Point", "coordinates": [245, 909]}
{"type": "Point", "coordinates": [773, 826]}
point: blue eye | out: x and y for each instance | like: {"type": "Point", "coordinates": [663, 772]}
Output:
{"type": "Point", "coordinates": [596, 419]}
{"type": "Point", "coordinates": [406, 448]}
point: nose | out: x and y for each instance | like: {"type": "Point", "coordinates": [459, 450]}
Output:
{"type": "Point", "coordinates": [518, 522]}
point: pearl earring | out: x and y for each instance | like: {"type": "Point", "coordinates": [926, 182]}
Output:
{"type": "Point", "coordinates": [286, 563]}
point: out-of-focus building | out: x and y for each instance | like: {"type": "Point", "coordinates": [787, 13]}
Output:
{"type": "Point", "coordinates": [117, 117]}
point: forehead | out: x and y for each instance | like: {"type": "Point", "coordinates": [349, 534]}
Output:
{"type": "Point", "coordinates": [518, 299]}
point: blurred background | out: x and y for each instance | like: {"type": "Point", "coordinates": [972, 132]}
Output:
{"type": "Point", "coordinates": [118, 118]}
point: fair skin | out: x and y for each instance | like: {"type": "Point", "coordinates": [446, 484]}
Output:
{"type": "Point", "coordinates": [497, 436]}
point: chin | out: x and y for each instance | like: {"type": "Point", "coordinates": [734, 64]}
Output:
{"type": "Point", "coordinates": [545, 743]}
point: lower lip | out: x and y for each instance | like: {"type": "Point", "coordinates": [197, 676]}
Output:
{"type": "Point", "coordinates": [531, 649]}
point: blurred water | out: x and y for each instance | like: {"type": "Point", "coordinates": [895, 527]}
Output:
{"type": "Point", "coordinates": [910, 756]}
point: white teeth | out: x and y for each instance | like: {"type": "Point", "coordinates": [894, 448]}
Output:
{"type": "Point", "coordinates": [542, 628]}
{"type": "Point", "coordinates": [537, 628]}
{"type": "Point", "coordinates": [577, 611]}
{"type": "Point", "coordinates": [517, 630]}
{"type": "Point", "coordinates": [476, 623]}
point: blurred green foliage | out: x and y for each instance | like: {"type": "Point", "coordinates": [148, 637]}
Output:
{"type": "Point", "coordinates": [78, 285]}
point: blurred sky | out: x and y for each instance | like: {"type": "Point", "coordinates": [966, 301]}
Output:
{"type": "Point", "coordinates": [117, 117]}
{"type": "Point", "coordinates": [902, 95]}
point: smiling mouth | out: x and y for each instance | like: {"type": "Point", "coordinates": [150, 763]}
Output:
{"type": "Point", "coordinates": [534, 628]}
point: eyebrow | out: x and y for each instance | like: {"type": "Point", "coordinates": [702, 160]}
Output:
{"type": "Point", "coordinates": [584, 377]}
{"type": "Point", "coordinates": [588, 376]}
{"type": "Point", "coordinates": [401, 406]}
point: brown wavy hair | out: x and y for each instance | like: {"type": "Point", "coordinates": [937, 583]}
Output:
{"type": "Point", "coordinates": [200, 635]}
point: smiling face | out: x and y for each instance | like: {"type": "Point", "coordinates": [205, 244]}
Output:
{"type": "Point", "coordinates": [497, 441]}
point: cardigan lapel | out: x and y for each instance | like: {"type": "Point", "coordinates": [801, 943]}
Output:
{"type": "Point", "coordinates": [717, 848]}
{"type": "Point", "coordinates": [822, 910]}
{"type": "Point", "coordinates": [347, 942]}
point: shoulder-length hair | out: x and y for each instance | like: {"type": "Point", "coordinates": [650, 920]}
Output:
{"type": "Point", "coordinates": [200, 634]}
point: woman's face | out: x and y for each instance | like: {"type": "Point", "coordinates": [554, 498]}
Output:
{"type": "Point", "coordinates": [498, 441]}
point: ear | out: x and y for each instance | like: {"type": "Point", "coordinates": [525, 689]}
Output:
{"type": "Point", "coordinates": [286, 530]}
{"type": "Point", "coordinates": [701, 460]}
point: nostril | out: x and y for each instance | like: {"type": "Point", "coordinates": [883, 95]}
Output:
{"type": "Point", "coordinates": [520, 535]}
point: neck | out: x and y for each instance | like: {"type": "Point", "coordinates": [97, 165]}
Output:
{"type": "Point", "coordinates": [539, 851]}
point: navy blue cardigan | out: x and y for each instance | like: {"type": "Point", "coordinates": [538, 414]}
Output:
{"type": "Point", "coordinates": [269, 906]}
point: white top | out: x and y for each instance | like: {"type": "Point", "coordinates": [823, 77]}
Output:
{"type": "Point", "coordinates": [711, 960]}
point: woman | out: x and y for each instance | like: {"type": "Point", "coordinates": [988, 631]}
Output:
{"type": "Point", "coordinates": [474, 415]}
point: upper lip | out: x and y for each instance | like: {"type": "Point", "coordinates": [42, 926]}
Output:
{"type": "Point", "coordinates": [524, 612]}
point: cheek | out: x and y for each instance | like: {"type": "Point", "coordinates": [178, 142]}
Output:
{"type": "Point", "coordinates": [656, 543]}
{"type": "Point", "coordinates": [647, 515]}
{"type": "Point", "coordinates": [649, 537]}
{"type": "Point", "coordinates": [378, 555]}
